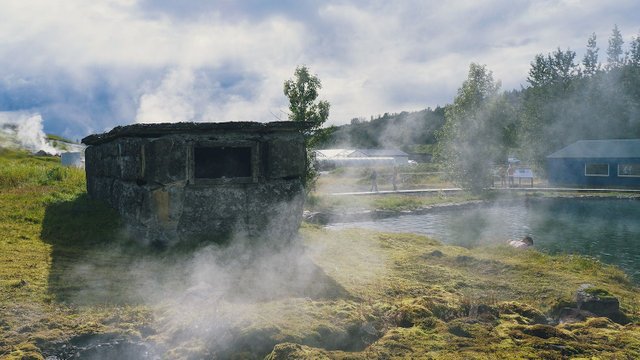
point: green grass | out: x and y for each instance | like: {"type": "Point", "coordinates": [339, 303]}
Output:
{"type": "Point", "coordinates": [19, 169]}
{"type": "Point", "coordinates": [355, 203]}
{"type": "Point", "coordinates": [358, 179]}
{"type": "Point", "coordinates": [69, 271]}
{"type": "Point", "coordinates": [59, 138]}
{"type": "Point", "coordinates": [427, 291]}
{"type": "Point", "coordinates": [45, 221]}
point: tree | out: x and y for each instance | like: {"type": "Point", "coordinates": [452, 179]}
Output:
{"type": "Point", "coordinates": [540, 73]}
{"type": "Point", "coordinates": [563, 67]}
{"type": "Point", "coordinates": [634, 53]}
{"type": "Point", "coordinates": [614, 51]}
{"type": "Point", "coordinates": [302, 92]}
{"type": "Point", "coordinates": [475, 130]}
{"type": "Point", "coordinates": [556, 68]}
{"type": "Point", "coordinates": [590, 60]}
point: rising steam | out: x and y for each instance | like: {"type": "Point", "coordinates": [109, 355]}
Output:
{"type": "Point", "coordinates": [24, 130]}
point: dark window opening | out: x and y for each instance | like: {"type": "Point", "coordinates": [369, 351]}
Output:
{"type": "Point", "coordinates": [222, 162]}
{"type": "Point", "coordinates": [596, 169]}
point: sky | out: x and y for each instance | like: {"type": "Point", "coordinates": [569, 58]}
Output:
{"type": "Point", "coordinates": [87, 66]}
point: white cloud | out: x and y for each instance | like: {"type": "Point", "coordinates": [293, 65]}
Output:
{"type": "Point", "coordinates": [372, 57]}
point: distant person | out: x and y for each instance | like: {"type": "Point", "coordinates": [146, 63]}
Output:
{"type": "Point", "coordinates": [503, 176]}
{"type": "Point", "coordinates": [394, 178]}
{"type": "Point", "coordinates": [524, 243]}
{"type": "Point", "coordinates": [510, 172]}
{"type": "Point", "coordinates": [374, 180]}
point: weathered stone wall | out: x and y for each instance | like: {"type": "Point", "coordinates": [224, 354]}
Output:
{"type": "Point", "coordinates": [150, 181]}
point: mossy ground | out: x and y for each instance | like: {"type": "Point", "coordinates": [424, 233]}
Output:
{"type": "Point", "coordinates": [363, 294]}
{"type": "Point", "coordinates": [389, 202]}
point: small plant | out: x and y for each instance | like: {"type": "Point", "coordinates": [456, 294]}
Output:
{"type": "Point", "coordinates": [56, 174]}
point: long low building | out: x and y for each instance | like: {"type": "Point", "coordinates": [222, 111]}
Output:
{"type": "Point", "coordinates": [596, 163]}
{"type": "Point", "coordinates": [360, 157]}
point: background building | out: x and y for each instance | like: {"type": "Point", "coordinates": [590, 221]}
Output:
{"type": "Point", "coordinates": [331, 158]}
{"type": "Point", "coordinates": [596, 163]}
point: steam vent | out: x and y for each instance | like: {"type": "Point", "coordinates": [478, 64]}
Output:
{"type": "Point", "coordinates": [201, 181]}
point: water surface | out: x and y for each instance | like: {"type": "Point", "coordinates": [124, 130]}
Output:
{"type": "Point", "coordinates": [607, 229]}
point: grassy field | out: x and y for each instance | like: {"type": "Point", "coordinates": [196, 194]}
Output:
{"type": "Point", "coordinates": [422, 176]}
{"type": "Point", "coordinates": [419, 176]}
{"type": "Point", "coordinates": [390, 202]}
{"type": "Point", "coordinates": [70, 279]}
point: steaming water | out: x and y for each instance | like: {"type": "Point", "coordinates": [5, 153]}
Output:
{"type": "Point", "coordinates": [608, 229]}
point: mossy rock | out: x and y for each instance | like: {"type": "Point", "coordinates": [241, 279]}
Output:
{"type": "Point", "coordinates": [26, 351]}
{"type": "Point", "coordinates": [414, 312]}
{"type": "Point", "coordinates": [602, 323]}
{"type": "Point", "coordinates": [557, 349]}
{"type": "Point", "coordinates": [481, 312]}
{"type": "Point", "coordinates": [600, 302]}
{"type": "Point", "coordinates": [432, 254]}
{"type": "Point", "coordinates": [288, 351]}
{"type": "Point", "coordinates": [470, 328]}
{"type": "Point", "coordinates": [531, 315]}
{"type": "Point", "coordinates": [460, 329]}
{"type": "Point", "coordinates": [598, 292]}
{"type": "Point", "coordinates": [546, 332]}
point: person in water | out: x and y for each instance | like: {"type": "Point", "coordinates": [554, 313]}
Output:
{"type": "Point", "coordinates": [524, 243]}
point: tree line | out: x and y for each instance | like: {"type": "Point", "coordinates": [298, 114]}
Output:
{"type": "Point", "coordinates": [408, 131]}
{"type": "Point", "coordinates": [565, 100]}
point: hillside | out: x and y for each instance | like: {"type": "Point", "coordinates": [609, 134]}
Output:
{"type": "Point", "coordinates": [28, 135]}
{"type": "Point", "coordinates": [405, 130]}
{"type": "Point", "coordinates": [72, 284]}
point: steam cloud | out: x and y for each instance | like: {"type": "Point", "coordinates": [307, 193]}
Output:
{"type": "Point", "coordinates": [24, 130]}
{"type": "Point", "coordinates": [204, 299]}
{"type": "Point", "coordinates": [200, 95]}
{"type": "Point", "coordinates": [174, 100]}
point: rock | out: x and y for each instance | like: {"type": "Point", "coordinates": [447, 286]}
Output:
{"type": "Point", "coordinates": [459, 330]}
{"type": "Point", "coordinates": [530, 315]}
{"type": "Point", "coordinates": [316, 217]}
{"type": "Point", "coordinates": [572, 315]}
{"type": "Point", "coordinates": [414, 313]}
{"type": "Point", "coordinates": [546, 332]}
{"type": "Point", "coordinates": [42, 153]}
{"type": "Point", "coordinates": [600, 302]}
{"type": "Point", "coordinates": [295, 351]}
{"type": "Point", "coordinates": [434, 253]}
{"type": "Point", "coordinates": [483, 313]}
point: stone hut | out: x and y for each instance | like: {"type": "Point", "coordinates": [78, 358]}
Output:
{"type": "Point", "coordinates": [175, 182]}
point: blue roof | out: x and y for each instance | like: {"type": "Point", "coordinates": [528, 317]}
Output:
{"type": "Point", "coordinates": [626, 148]}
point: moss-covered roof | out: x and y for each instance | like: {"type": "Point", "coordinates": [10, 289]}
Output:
{"type": "Point", "coordinates": [159, 129]}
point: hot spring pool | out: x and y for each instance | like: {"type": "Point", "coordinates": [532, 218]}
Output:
{"type": "Point", "coordinates": [607, 229]}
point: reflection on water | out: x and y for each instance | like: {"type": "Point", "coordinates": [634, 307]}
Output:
{"type": "Point", "coordinates": [608, 229]}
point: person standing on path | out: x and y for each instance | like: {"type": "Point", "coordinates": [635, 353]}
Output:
{"type": "Point", "coordinates": [374, 180]}
{"type": "Point", "coordinates": [394, 178]}
{"type": "Point", "coordinates": [510, 173]}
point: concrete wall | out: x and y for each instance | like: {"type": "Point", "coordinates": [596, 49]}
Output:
{"type": "Point", "coordinates": [150, 181]}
